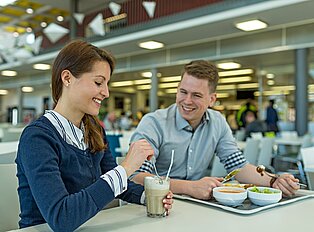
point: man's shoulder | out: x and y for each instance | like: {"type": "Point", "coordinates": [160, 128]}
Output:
{"type": "Point", "coordinates": [162, 113]}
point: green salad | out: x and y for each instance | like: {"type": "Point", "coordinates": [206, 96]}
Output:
{"type": "Point", "coordinates": [265, 190]}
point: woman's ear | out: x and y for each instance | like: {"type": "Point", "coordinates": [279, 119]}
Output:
{"type": "Point", "coordinates": [66, 77]}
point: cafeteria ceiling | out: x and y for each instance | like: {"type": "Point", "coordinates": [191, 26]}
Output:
{"type": "Point", "coordinates": [189, 34]}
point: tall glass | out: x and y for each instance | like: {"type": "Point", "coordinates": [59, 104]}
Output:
{"type": "Point", "coordinates": [156, 189]}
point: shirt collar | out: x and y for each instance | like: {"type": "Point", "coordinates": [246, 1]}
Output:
{"type": "Point", "coordinates": [75, 134]}
{"type": "Point", "coordinates": [182, 124]}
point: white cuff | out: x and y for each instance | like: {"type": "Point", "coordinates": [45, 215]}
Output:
{"type": "Point", "coordinates": [117, 180]}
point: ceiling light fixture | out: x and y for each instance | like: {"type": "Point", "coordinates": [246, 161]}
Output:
{"type": "Point", "coordinates": [29, 10]}
{"type": "Point", "coordinates": [41, 66]}
{"type": "Point", "coordinates": [6, 2]}
{"type": "Point", "coordinates": [235, 79]}
{"type": "Point", "coordinates": [226, 87]}
{"type": "Point", "coordinates": [3, 92]}
{"type": "Point", "coordinates": [146, 74]}
{"type": "Point", "coordinates": [229, 65]}
{"type": "Point", "coordinates": [27, 89]}
{"type": "Point", "coordinates": [251, 25]}
{"type": "Point", "coordinates": [270, 75]}
{"type": "Point", "coordinates": [222, 95]}
{"type": "Point", "coordinates": [270, 82]}
{"type": "Point", "coordinates": [8, 73]}
{"type": "Point", "coordinates": [168, 85]}
{"type": "Point", "coordinates": [151, 45]}
{"type": "Point", "coordinates": [236, 72]}
{"type": "Point", "coordinates": [248, 86]}
{"type": "Point", "coordinates": [170, 79]}
{"type": "Point", "coordinates": [60, 18]}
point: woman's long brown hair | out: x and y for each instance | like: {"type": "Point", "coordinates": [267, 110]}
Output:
{"type": "Point", "coordinates": [79, 57]}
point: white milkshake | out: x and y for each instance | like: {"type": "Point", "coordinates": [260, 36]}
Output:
{"type": "Point", "coordinates": [156, 190]}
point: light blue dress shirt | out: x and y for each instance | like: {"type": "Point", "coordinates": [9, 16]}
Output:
{"type": "Point", "coordinates": [166, 130]}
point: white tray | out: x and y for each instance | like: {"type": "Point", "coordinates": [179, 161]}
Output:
{"type": "Point", "coordinates": [247, 207]}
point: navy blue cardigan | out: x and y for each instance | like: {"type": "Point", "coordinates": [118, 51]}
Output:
{"type": "Point", "coordinates": [59, 183]}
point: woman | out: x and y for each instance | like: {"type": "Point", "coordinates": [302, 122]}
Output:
{"type": "Point", "coordinates": [65, 169]}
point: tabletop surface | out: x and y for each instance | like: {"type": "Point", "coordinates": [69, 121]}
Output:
{"type": "Point", "coordinates": [191, 216]}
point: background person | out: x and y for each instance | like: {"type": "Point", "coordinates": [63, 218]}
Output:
{"type": "Point", "coordinates": [253, 124]}
{"type": "Point", "coordinates": [271, 117]}
{"type": "Point", "coordinates": [196, 134]}
{"type": "Point", "coordinates": [65, 169]}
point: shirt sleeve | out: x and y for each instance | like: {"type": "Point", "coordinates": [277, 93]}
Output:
{"type": "Point", "coordinates": [227, 150]}
{"type": "Point", "coordinates": [116, 179]}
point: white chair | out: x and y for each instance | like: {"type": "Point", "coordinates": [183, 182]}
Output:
{"type": "Point", "coordinates": [217, 168]}
{"type": "Point", "coordinates": [308, 162]}
{"type": "Point", "coordinates": [239, 135]}
{"type": "Point", "coordinates": [9, 202]}
{"type": "Point", "coordinates": [266, 151]}
{"type": "Point", "coordinates": [256, 135]}
{"type": "Point", "coordinates": [251, 150]}
{"type": "Point", "coordinates": [8, 152]}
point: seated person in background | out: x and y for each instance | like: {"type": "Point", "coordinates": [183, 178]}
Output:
{"type": "Point", "coordinates": [253, 125]}
{"type": "Point", "coordinates": [196, 134]}
{"type": "Point", "coordinates": [65, 169]}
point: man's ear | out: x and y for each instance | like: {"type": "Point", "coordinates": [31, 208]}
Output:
{"type": "Point", "coordinates": [66, 77]}
{"type": "Point", "coordinates": [212, 99]}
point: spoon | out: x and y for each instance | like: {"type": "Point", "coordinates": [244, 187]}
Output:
{"type": "Point", "coordinates": [261, 169]}
{"type": "Point", "coordinates": [230, 175]}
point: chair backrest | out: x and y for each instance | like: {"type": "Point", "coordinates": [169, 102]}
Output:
{"type": "Point", "coordinates": [266, 151]}
{"type": "Point", "coordinates": [124, 144]}
{"type": "Point", "coordinates": [9, 202]}
{"type": "Point", "coordinates": [256, 135]}
{"type": "Point", "coordinates": [217, 168]}
{"type": "Point", "coordinates": [307, 141]}
{"type": "Point", "coordinates": [8, 152]}
{"type": "Point", "coordinates": [239, 135]}
{"type": "Point", "coordinates": [251, 150]}
{"type": "Point", "coordinates": [307, 155]}
{"type": "Point", "coordinates": [289, 134]}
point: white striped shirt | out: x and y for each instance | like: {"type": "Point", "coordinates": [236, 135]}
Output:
{"type": "Point", "coordinates": [116, 178]}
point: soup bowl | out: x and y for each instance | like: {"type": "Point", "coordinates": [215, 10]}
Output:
{"type": "Point", "coordinates": [230, 196]}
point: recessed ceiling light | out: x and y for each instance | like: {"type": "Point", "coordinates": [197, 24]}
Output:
{"type": "Point", "coordinates": [235, 79]}
{"type": "Point", "coordinates": [151, 45]}
{"type": "Point", "coordinates": [27, 89]}
{"type": "Point", "coordinates": [229, 65]}
{"type": "Point", "coordinates": [251, 25]}
{"type": "Point", "coordinates": [146, 74]}
{"type": "Point", "coordinates": [6, 2]}
{"type": "Point", "coordinates": [270, 75]}
{"type": "Point", "coordinates": [236, 72]}
{"type": "Point", "coordinates": [8, 73]}
{"type": "Point", "coordinates": [270, 82]}
{"type": "Point", "coordinates": [29, 10]}
{"type": "Point", "coordinates": [3, 92]}
{"type": "Point", "coordinates": [41, 66]}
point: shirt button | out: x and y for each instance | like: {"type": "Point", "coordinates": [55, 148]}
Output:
{"type": "Point", "coordinates": [94, 179]}
{"type": "Point", "coordinates": [190, 150]}
{"type": "Point", "coordinates": [190, 168]}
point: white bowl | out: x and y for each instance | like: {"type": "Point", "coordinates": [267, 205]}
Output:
{"type": "Point", "coordinates": [264, 195]}
{"type": "Point", "coordinates": [230, 196]}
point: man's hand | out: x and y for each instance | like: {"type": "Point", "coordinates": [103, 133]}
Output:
{"type": "Point", "coordinates": [287, 183]}
{"type": "Point", "coordinates": [202, 189]}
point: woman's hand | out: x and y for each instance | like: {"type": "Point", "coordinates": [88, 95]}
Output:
{"type": "Point", "coordinates": [139, 151]}
{"type": "Point", "coordinates": [168, 202]}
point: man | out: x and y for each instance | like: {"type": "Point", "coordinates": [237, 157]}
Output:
{"type": "Point", "coordinates": [272, 117]}
{"type": "Point", "coordinates": [253, 125]}
{"type": "Point", "coordinates": [196, 133]}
